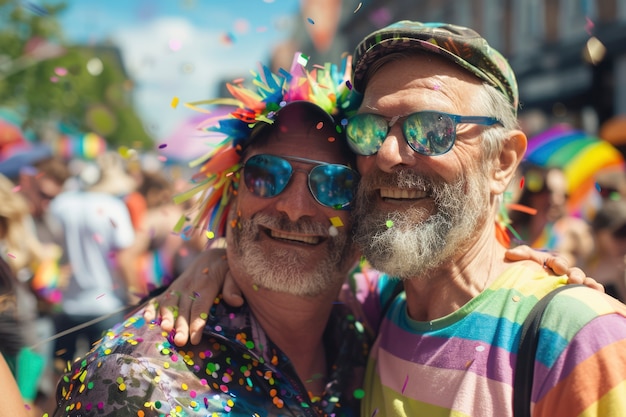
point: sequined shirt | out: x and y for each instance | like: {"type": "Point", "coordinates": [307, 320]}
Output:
{"type": "Point", "coordinates": [137, 370]}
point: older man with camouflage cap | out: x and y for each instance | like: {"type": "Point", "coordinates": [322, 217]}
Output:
{"type": "Point", "coordinates": [438, 142]}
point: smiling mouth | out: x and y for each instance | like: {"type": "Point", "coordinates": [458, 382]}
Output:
{"type": "Point", "coordinates": [293, 238]}
{"type": "Point", "coordinates": [402, 194]}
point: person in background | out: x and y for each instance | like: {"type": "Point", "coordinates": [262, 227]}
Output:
{"type": "Point", "coordinates": [607, 263]}
{"type": "Point", "coordinates": [39, 183]}
{"type": "Point", "coordinates": [34, 268]}
{"type": "Point", "coordinates": [13, 405]}
{"type": "Point", "coordinates": [543, 222]}
{"type": "Point", "coordinates": [155, 245]}
{"type": "Point", "coordinates": [103, 280]}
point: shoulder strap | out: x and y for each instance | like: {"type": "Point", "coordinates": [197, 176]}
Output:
{"type": "Point", "coordinates": [397, 289]}
{"type": "Point", "coordinates": [525, 365]}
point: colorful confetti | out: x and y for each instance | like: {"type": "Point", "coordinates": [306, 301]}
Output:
{"type": "Point", "coordinates": [589, 25]}
{"type": "Point", "coordinates": [336, 221]}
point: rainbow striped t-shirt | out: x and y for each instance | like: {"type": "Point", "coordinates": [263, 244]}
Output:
{"type": "Point", "coordinates": [462, 364]}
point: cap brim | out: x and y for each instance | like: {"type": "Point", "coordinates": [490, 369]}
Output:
{"type": "Point", "coordinates": [388, 46]}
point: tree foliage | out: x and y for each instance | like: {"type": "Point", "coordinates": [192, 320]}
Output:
{"type": "Point", "coordinates": [82, 87]}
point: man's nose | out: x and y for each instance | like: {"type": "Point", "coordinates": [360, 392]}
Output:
{"type": "Point", "coordinates": [296, 200]}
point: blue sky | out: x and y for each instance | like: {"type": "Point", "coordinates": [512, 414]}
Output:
{"type": "Point", "coordinates": [181, 48]}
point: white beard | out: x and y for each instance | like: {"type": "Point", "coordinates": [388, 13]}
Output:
{"type": "Point", "coordinates": [418, 242]}
{"type": "Point", "coordinates": [289, 270]}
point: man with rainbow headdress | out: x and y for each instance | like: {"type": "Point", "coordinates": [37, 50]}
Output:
{"type": "Point", "coordinates": [289, 350]}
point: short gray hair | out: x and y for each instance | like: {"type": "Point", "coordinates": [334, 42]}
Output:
{"type": "Point", "coordinates": [491, 102]}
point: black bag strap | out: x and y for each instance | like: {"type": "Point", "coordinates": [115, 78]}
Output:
{"type": "Point", "coordinates": [525, 365]}
{"type": "Point", "coordinates": [397, 289]}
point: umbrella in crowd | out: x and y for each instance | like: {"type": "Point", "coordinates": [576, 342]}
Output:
{"type": "Point", "coordinates": [84, 146]}
{"type": "Point", "coordinates": [581, 157]}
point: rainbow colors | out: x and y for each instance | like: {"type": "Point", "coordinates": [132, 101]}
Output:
{"type": "Point", "coordinates": [86, 146]}
{"type": "Point", "coordinates": [580, 155]}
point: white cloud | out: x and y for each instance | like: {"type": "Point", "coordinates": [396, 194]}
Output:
{"type": "Point", "coordinates": [169, 57]}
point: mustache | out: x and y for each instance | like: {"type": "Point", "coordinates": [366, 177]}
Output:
{"type": "Point", "coordinates": [401, 178]}
{"type": "Point", "coordinates": [283, 223]}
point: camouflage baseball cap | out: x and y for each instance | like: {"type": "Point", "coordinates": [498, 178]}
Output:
{"type": "Point", "coordinates": [459, 44]}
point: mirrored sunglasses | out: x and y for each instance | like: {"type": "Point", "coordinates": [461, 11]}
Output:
{"type": "Point", "coordinates": [332, 185]}
{"type": "Point", "coordinates": [427, 132]}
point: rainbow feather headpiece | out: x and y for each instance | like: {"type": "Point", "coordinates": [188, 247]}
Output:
{"type": "Point", "coordinates": [327, 86]}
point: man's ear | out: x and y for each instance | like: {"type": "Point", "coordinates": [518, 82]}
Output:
{"type": "Point", "coordinates": [513, 151]}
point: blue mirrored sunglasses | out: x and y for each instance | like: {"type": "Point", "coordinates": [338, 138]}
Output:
{"type": "Point", "coordinates": [332, 185]}
{"type": "Point", "coordinates": [428, 133]}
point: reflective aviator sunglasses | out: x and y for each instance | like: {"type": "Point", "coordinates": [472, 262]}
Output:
{"type": "Point", "coordinates": [428, 133]}
{"type": "Point", "coordinates": [332, 185]}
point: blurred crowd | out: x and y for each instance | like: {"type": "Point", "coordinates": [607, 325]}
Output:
{"type": "Point", "coordinates": [596, 242]}
{"type": "Point", "coordinates": [80, 242]}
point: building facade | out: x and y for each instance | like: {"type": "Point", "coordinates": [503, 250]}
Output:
{"type": "Point", "coordinates": [569, 56]}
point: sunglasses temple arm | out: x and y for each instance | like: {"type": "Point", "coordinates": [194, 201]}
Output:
{"type": "Point", "coordinates": [480, 120]}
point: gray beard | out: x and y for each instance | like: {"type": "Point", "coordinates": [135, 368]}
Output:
{"type": "Point", "coordinates": [412, 246]}
{"type": "Point", "coordinates": [287, 270]}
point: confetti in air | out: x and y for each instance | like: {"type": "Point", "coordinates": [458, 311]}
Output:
{"type": "Point", "coordinates": [589, 25]}
{"type": "Point", "coordinates": [336, 221]}
{"type": "Point", "coordinates": [310, 20]}
{"type": "Point", "coordinates": [174, 45]}
{"type": "Point", "coordinates": [358, 7]}
{"type": "Point", "coordinates": [303, 60]}
{"type": "Point", "coordinates": [174, 102]}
